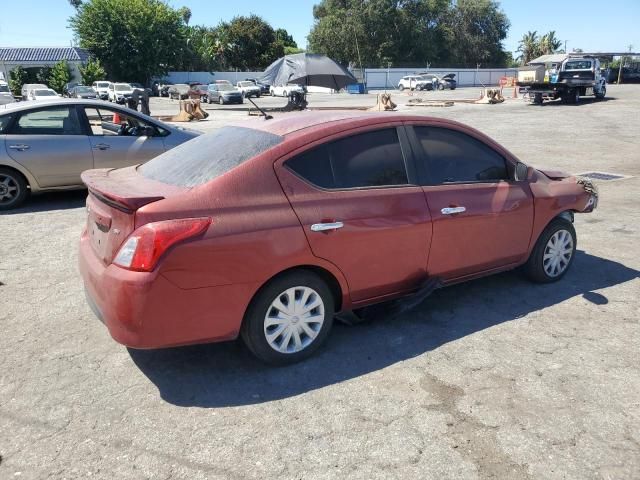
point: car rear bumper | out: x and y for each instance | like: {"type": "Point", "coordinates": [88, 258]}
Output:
{"type": "Point", "coordinates": [145, 310]}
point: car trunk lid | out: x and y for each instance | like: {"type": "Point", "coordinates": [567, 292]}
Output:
{"type": "Point", "coordinates": [114, 197]}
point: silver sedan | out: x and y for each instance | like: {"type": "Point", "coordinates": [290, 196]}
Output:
{"type": "Point", "coordinates": [46, 145]}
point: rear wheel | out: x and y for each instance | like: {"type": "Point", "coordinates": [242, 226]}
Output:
{"type": "Point", "coordinates": [553, 253]}
{"type": "Point", "coordinates": [289, 318]}
{"type": "Point", "coordinates": [441, 86]}
{"type": "Point", "coordinates": [13, 189]}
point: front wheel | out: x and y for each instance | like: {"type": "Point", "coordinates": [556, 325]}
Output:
{"type": "Point", "coordinates": [221, 100]}
{"type": "Point", "coordinates": [553, 253]}
{"type": "Point", "coordinates": [401, 87]}
{"type": "Point", "coordinates": [603, 91]}
{"type": "Point", "coordinates": [289, 318]}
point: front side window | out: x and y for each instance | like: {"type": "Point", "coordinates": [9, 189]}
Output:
{"type": "Point", "coordinates": [453, 157]}
{"type": "Point", "coordinates": [50, 121]}
{"type": "Point", "coordinates": [107, 122]}
{"type": "Point", "coordinates": [372, 159]}
{"type": "Point", "coordinates": [5, 120]}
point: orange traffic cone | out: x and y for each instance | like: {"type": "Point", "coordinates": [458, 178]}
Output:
{"type": "Point", "coordinates": [116, 118]}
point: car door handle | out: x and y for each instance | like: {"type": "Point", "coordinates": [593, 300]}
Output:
{"type": "Point", "coordinates": [20, 147]}
{"type": "Point", "coordinates": [101, 146]}
{"type": "Point", "coordinates": [452, 210]}
{"type": "Point", "coordinates": [323, 227]}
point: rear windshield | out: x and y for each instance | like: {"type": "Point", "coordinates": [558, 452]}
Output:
{"type": "Point", "coordinates": [208, 156]}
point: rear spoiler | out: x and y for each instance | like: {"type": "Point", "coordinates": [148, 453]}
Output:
{"type": "Point", "coordinates": [125, 189]}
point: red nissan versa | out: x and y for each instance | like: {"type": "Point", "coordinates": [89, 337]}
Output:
{"type": "Point", "coordinates": [268, 229]}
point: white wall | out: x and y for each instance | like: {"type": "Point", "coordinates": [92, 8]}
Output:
{"type": "Point", "coordinates": [375, 77]}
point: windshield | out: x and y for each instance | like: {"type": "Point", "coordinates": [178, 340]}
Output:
{"type": "Point", "coordinates": [122, 88]}
{"type": "Point", "coordinates": [247, 84]}
{"type": "Point", "coordinates": [4, 89]}
{"type": "Point", "coordinates": [102, 84]}
{"type": "Point", "coordinates": [208, 156]}
{"type": "Point", "coordinates": [44, 93]}
{"type": "Point", "coordinates": [578, 65]}
{"type": "Point", "coordinates": [85, 90]}
{"type": "Point", "coordinates": [222, 86]}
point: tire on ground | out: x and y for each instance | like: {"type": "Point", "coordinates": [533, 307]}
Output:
{"type": "Point", "coordinates": [534, 268]}
{"type": "Point", "coordinates": [253, 326]}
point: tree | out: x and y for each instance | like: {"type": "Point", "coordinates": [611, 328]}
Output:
{"type": "Point", "coordinates": [185, 13]}
{"type": "Point", "coordinates": [92, 72]}
{"type": "Point", "coordinates": [60, 75]}
{"type": "Point", "coordinates": [549, 43]}
{"type": "Point", "coordinates": [75, 3]}
{"type": "Point", "coordinates": [249, 43]}
{"type": "Point", "coordinates": [17, 78]}
{"type": "Point", "coordinates": [133, 39]}
{"type": "Point", "coordinates": [476, 30]}
{"type": "Point", "coordinates": [528, 47]}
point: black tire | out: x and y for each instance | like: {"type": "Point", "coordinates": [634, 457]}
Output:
{"type": "Point", "coordinates": [253, 327]}
{"type": "Point", "coordinates": [441, 86]}
{"type": "Point", "coordinates": [401, 87]}
{"type": "Point", "coordinates": [602, 94]}
{"type": "Point", "coordinates": [535, 268]}
{"type": "Point", "coordinates": [221, 100]}
{"type": "Point", "coordinates": [14, 184]}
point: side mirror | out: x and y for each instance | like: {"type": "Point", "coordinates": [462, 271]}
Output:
{"type": "Point", "coordinates": [521, 172]}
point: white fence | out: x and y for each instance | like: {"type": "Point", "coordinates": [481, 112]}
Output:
{"type": "Point", "coordinates": [374, 77]}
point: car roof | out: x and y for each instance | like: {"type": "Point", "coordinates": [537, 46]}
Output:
{"type": "Point", "coordinates": [289, 123]}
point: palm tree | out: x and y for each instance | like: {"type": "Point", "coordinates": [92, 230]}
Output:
{"type": "Point", "coordinates": [528, 47]}
{"type": "Point", "coordinates": [549, 43]}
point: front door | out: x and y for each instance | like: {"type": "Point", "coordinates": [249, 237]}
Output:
{"type": "Point", "coordinates": [359, 211]}
{"type": "Point", "coordinates": [482, 219]}
{"type": "Point", "coordinates": [119, 139]}
{"type": "Point", "coordinates": [51, 143]}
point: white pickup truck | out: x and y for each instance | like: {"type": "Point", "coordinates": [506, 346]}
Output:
{"type": "Point", "coordinates": [248, 89]}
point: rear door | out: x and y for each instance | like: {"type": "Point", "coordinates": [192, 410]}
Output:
{"type": "Point", "coordinates": [51, 143]}
{"type": "Point", "coordinates": [117, 138]}
{"type": "Point", "coordinates": [359, 209]}
{"type": "Point", "coordinates": [482, 219]}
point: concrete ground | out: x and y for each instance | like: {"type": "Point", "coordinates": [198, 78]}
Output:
{"type": "Point", "coordinates": [496, 378]}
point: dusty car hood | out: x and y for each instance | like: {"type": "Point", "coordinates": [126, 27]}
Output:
{"type": "Point", "coordinates": [554, 174]}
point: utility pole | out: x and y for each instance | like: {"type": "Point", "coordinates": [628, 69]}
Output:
{"type": "Point", "coordinates": [565, 46]}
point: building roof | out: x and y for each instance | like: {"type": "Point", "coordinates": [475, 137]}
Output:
{"type": "Point", "coordinates": [43, 54]}
{"type": "Point", "coordinates": [554, 58]}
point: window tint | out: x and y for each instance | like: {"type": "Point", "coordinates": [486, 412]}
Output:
{"type": "Point", "coordinates": [208, 156]}
{"type": "Point", "coordinates": [456, 157]}
{"type": "Point", "coordinates": [50, 121]}
{"type": "Point", "coordinates": [366, 160]}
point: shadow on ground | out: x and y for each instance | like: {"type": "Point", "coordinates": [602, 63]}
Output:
{"type": "Point", "coordinates": [51, 201]}
{"type": "Point", "coordinates": [226, 375]}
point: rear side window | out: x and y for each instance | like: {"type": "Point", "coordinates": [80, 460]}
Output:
{"type": "Point", "coordinates": [453, 156]}
{"type": "Point", "coordinates": [50, 121]}
{"type": "Point", "coordinates": [371, 159]}
{"type": "Point", "coordinates": [206, 157]}
{"type": "Point", "coordinates": [5, 120]}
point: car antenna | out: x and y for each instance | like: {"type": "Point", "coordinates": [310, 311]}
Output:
{"type": "Point", "coordinates": [262, 112]}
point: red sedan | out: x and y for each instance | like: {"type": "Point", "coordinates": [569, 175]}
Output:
{"type": "Point", "coordinates": [266, 230]}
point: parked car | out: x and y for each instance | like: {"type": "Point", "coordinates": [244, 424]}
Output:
{"type": "Point", "coordinates": [264, 88]}
{"type": "Point", "coordinates": [163, 89]}
{"type": "Point", "coordinates": [68, 86]}
{"type": "Point", "coordinates": [82, 91]}
{"type": "Point", "coordinates": [27, 87]}
{"type": "Point", "coordinates": [199, 91]}
{"type": "Point", "coordinates": [179, 91]}
{"type": "Point", "coordinates": [102, 88]}
{"type": "Point", "coordinates": [248, 89]}
{"type": "Point", "coordinates": [5, 94]}
{"type": "Point", "coordinates": [120, 92]}
{"type": "Point", "coordinates": [46, 145]}
{"type": "Point", "coordinates": [223, 93]}
{"type": "Point", "coordinates": [285, 90]}
{"type": "Point", "coordinates": [266, 230]}
{"type": "Point", "coordinates": [448, 81]}
{"type": "Point", "coordinates": [414, 82]}
{"type": "Point", "coordinates": [140, 88]}
{"type": "Point", "coordinates": [42, 94]}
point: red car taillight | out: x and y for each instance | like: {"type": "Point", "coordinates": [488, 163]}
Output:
{"type": "Point", "coordinates": [143, 248]}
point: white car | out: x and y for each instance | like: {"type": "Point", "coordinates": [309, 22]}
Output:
{"type": "Point", "coordinates": [27, 87]}
{"type": "Point", "coordinates": [120, 92]}
{"type": "Point", "coordinates": [285, 90]}
{"type": "Point", "coordinates": [5, 94]}
{"type": "Point", "coordinates": [248, 89]}
{"type": "Point", "coordinates": [102, 88]}
{"type": "Point", "coordinates": [414, 82]}
{"type": "Point", "coordinates": [42, 94]}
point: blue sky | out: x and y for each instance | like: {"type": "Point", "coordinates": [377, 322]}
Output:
{"type": "Point", "coordinates": [588, 24]}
